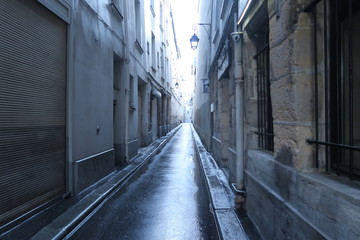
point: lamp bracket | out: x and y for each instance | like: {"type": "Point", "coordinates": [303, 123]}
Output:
{"type": "Point", "coordinates": [194, 26]}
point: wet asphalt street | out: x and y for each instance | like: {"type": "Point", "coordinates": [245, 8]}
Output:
{"type": "Point", "coordinates": [168, 201]}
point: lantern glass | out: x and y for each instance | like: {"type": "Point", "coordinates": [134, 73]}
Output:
{"type": "Point", "coordinates": [194, 41]}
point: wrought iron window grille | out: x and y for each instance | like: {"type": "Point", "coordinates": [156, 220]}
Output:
{"type": "Point", "coordinates": [341, 118]}
{"type": "Point", "coordinates": [265, 120]}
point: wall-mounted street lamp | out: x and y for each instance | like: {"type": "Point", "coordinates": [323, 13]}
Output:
{"type": "Point", "coordinates": [194, 40]}
{"type": "Point", "coordinates": [176, 85]}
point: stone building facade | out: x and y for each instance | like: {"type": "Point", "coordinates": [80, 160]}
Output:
{"type": "Point", "coordinates": [296, 65]}
{"type": "Point", "coordinates": [83, 85]}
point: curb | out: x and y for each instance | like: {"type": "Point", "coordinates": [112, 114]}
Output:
{"type": "Point", "coordinates": [228, 224]}
{"type": "Point", "coordinates": [74, 216]}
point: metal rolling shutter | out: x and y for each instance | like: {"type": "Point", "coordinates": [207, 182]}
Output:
{"type": "Point", "coordinates": [32, 106]}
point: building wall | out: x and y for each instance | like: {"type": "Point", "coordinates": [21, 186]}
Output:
{"type": "Point", "coordinates": [115, 53]}
{"type": "Point", "coordinates": [216, 66]}
{"type": "Point", "coordinates": [138, 75]}
{"type": "Point", "coordinates": [92, 101]}
{"type": "Point", "coordinates": [111, 109]}
{"type": "Point", "coordinates": [105, 56]}
{"type": "Point", "coordinates": [287, 195]}
{"type": "Point", "coordinates": [201, 98]}
{"type": "Point", "coordinates": [157, 36]}
{"type": "Point", "coordinates": [177, 111]}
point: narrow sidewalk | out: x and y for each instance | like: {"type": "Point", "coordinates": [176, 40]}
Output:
{"type": "Point", "coordinates": [229, 225]}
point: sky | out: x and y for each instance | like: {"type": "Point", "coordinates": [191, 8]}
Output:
{"type": "Point", "coordinates": [185, 14]}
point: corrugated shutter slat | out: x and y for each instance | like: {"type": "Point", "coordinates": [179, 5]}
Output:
{"type": "Point", "coordinates": [32, 106]}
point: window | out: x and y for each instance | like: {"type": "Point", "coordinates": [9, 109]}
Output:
{"type": "Point", "coordinates": [161, 17]}
{"type": "Point", "coordinates": [339, 142]}
{"type": "Point", "coordinates": [162, 62]}
{"type": "Point", "coordinates": [167, 30]}
{"type": "Point", "coordinates": [158, 59]}
{"type": "Point", "coordinates": [131, 93]}
{"type": "Point", "coordinates": [206, 85]}
{"type": "Point", "coordinates": [138, 20]}
{"type": "Point", "coordinates": [265, 120]}
{"type": "Point", "coordinates": [117, 5]}
{"type": "Point", "coordinates": [138, 26]}
{"type": "Point", "coordinates": [153, 53]}
{"type": "Point", "coordinates": [216, 19]}
{"type": "Point", "coordinates": [152, 7]}
{"type": "Point", "coordinates": [166, 67]}
{"type": "Point", "coordinates": [223, 8]}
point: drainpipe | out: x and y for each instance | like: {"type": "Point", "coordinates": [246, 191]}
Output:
{"type": "Point", "coordinates": [239, 113]}
{"type": "Point", "coordinates": [239, 110]}
{"type": "Point", "coordinates": [127, 92]}
{"type": "Point", "coordinates": [127, 116]}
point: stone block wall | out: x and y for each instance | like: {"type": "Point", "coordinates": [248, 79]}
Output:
{"type": "Point", "coordinates": [286, 204]}
{"type": "Point", "coordinates": [250, 92]}
{"type": "Point", "coordinates": [287, 197]}
{"type": "Point", "coordinates": [202, 124]}
{"type": "Point", "coordinates": [291, 76]}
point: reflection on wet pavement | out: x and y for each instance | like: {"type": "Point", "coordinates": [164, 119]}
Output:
{"type": "Point", "coordinates": [168, 201]}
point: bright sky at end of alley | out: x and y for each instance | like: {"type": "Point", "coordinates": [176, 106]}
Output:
{"type": "Point", "coordinates": [185, 13]}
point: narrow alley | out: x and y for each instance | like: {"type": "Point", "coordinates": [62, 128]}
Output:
{"type": "Point", "coordinates": [191, 119]}
{"type": "Point", "coordinates": [168, 201]}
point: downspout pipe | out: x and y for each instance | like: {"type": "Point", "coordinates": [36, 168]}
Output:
{"type": "Point", "coordinates": [239, 109]}
{"type": "Point", "coordinates": [127, 90]}
{"type": "Point", "coordinates": [237, 37]}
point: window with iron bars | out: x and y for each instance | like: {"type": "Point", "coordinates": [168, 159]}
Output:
{"type": "Point", "coordinates": [336, 35]}
{"type": "Point", "coordinates": [265, 119]}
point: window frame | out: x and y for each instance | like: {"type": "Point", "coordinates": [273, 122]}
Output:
{"type": "Point", "coordinates": [337, 148]}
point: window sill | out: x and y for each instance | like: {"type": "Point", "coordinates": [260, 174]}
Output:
{"type": "Point", "coordinates": [138, 46]}
{"type": "Point", "coordinates": [215, 36]}
{"type": "Point", "coordinates": [262, 153]}
{"type": "Point", "coordinates": [117, 10]}
{"type": "Point", "coordinates": [340, 185]}
{"type": "Point", "coordinates": [132, 108]}
{"type": "Point", "coordinates": [152, 10]}
{"type": "Point", "coordinates": [315, 198]}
